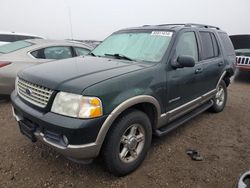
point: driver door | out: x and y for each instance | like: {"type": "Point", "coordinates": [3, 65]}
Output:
{"type": "Point", "coordinates": [182, 82]}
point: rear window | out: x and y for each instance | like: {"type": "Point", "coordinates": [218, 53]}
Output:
{"type": "Point", "coordinates": [11, 47]}
{"type": "Point", "coordinates": [7, 38]}
{"type": "Point", "coordinates": [226, 42]}
{"type": "Point", "coordinates": [13, 38]}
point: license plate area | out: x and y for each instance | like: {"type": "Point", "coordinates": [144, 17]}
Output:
{"type": "Point", "coordinates": [28, 129]}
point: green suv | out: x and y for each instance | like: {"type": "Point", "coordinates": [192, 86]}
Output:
{"type": "Point", "coordinates": [137, 83]}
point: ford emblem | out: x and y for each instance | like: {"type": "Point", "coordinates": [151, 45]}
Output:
{"type": "Point", "coordinates": [28, 91]}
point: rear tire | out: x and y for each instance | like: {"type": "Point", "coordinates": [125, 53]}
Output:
{"type": "Point", "coordinates": [220, 99]}
{"type": "Point", "coordinates": [127, 143]}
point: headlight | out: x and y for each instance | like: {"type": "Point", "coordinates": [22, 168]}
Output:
{"type": "Point", "coordinates": [78, 106]}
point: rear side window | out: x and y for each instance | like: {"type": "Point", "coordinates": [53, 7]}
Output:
{"type": "Point", "coordinates": [207, 45]}
{"type": "Point", "coordinates": [81, 51]}
{"type": "Point", "coordinates": [187, 45]}
{"type": "Point", "coordinates": [215, 45]}
{"type": "Point", "coordinates": [226, 42]}
{"type": "Point", "coordinates": [56, 52]}
{"type": "Point", "coordinates": [11, 47]}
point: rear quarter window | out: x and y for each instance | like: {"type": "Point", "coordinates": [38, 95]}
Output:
{"type": "Point", "coordinates": [81, 51]}
{"type": "Point", "coordinates": [227, 44]}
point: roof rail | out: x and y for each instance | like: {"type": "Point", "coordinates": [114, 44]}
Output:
{"type": "Point", "coordinates": [188, 25]}
{"type": "Point", "coordinates": [201, 25]}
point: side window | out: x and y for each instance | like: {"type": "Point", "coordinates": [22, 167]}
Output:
{"type": "Point", "coordinates": [215, 45]}
{"type": "Point", "coordinates": [210, 48]}
{"type": "Point", "coordinates": [207, 45]}
{"type": "Point", "coordinates": [81, 51]}
{"type": "Point", "coordinates": [187, 45]}
{"type": "Point", "coordinates": [57, 52]}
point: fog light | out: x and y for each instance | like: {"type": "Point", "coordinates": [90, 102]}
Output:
{"type": "Point", "coordinates": [65, 140]}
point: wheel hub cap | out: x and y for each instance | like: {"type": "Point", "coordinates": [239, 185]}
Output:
{"type": "Point", "coordinates": [220, 96]}
{"type": "Point", "coordinates": [132, 143]}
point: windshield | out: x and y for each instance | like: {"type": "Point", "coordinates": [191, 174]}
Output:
{"type": "Point", "coordinates": [145, 46]}
{"type": "Point", "coordinates": [243, 52]}
{"type": "Point", "coordinates": [11, 47]}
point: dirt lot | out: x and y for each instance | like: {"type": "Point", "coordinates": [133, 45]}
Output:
{"type": "Point", "coordinates": [222, 139]}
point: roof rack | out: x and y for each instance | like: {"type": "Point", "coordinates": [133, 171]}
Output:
{"type": "Point", "coordinates": [188, 25]}
{"type": "Point", "coordinates": [202, 25]}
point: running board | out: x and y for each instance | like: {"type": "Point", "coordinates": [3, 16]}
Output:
{"type": "Point", "coordinates": [178, 122]}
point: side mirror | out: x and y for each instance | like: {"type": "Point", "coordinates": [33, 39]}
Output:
{"type": "Point", "coordinates": [184, 61]}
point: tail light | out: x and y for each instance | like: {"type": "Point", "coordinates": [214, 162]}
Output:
{"type": "Point", "coordinates": [4, 63]}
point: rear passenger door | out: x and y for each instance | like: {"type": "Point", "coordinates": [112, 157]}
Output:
{"type": "Point", "coordinates": [211, 64]}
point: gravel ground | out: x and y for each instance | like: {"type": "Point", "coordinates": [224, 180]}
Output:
{"type": "Point", "coordinates": [222, 139]}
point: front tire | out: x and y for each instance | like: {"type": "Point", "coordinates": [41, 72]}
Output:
{"type": "Point", "coordinates": [127, 143]}
{"type": "Point", "coordinates": [220, 98]}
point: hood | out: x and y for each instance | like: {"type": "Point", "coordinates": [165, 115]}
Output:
{"type": "Point", "coordinates": [76, 74]}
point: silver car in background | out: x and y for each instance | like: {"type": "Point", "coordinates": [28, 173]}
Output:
{"type": "Point", "coordinates": [22, 54]}
{"type": "Point", "coordinates": [7, 37]}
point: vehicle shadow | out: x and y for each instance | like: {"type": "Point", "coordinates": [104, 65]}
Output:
{"type": "Point", "coordinates": [242, 76]}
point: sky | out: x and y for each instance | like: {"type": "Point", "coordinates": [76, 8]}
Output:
{"type": "Point", "coordinates": [97, 19]}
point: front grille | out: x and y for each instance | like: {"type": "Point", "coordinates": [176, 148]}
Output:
{"type": "Point", "coordinates": [35, 94]}
{"type": "Point", "coordinates": [243, 60]}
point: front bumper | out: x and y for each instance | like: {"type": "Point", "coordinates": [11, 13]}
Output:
{"type": "Point", "coordinates": [50, 129]}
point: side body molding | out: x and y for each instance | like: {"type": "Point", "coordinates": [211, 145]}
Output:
{"type": "Point", "coordinates": [122, 107]}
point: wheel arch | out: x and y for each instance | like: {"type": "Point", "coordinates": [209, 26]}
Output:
{"type": "Point", "coordinates": [142, 102]}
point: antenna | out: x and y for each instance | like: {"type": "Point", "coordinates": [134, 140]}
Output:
{"type": "Point", "coordinates": [70, 23]}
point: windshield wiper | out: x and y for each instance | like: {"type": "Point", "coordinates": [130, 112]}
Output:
{"type": "Point", "coordinates": [120, 56]}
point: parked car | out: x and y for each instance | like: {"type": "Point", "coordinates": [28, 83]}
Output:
{"type": "Point", "coordinates": [242, 49]}
{"type": "Point", "coordinates": [243, 59]}
{"type": "Point", "coordinates": [22, 54]}
{"type": "Point", "coordinates": [7, 37]}
{"type": "Point", "coordinates": [138, 82]}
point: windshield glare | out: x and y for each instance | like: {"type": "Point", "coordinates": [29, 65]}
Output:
{"type": "Point", "coordinates": [11, 47]}
{"type": "Point", "coordinates": [145, 46]}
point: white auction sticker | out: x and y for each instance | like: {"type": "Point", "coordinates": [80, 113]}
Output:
{"type": "Point", "coordinates": [162, 33]}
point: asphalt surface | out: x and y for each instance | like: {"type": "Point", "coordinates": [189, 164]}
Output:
{"type": "Point", "coordinates": [222, 139]}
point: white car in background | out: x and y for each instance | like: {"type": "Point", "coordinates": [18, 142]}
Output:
{"type": "Point", "coordinates": [7, 37]}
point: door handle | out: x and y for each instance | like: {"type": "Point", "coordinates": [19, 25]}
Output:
{"type": "Point", "coordinates": [220, 63]}
{"type": "Point", "coordinates": [199, 70]}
